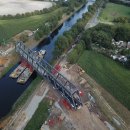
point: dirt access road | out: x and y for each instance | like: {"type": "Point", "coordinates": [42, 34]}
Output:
{"type": "Point", "coordinates": [84, 120]}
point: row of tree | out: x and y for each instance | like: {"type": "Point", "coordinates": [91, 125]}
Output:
{"type": "Point", "coordinates": [28, 14]}
{"type": "Point", "coordinates": [69, 37]}
{"type": "Point", "coordinates": [121, 20]}
{"type": "Point", "coordinates": [124, 2]}
{"type": "Point", "coordinates": [52, 22]}
{"type": "Point", "coordinates": [70, 7]}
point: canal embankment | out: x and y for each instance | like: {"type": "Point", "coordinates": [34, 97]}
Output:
{"type": "Point", "coordinates": [49, 47]}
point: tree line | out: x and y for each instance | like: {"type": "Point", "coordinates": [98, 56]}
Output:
{"type": "Point", "coordinates": [28, 14]}
{"type": "Point", "coordinates": [51, 23]}
{"type": "Point", "coordinates": [69, 37]}
{"type": "Point", "coordinates": [121, 20]}
{"type": "Point", "coordinates": [70, 4]}
{"type": "Point", "coordinates": [124, 2]}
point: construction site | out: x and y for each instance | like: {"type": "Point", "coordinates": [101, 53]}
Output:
{"type": "Point", "coordinates": [82, 114]}
{"type": "Point", "coordinates": [89, 116]}
{"type": "Point", "coordinates": [61, 114]}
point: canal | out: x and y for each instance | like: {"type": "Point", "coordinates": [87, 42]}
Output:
{"type": "Point", "coordinates": [10, 90]}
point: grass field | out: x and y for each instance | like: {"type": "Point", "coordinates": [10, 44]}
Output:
{"type": "Point", "coordinates": [112, 76]}
{"type": "Point", "coordinates": [113, 11]}
{"type": "Point", "coordinates": [39, 116]}
{"type": "Point", "coordinates": [9, 28]}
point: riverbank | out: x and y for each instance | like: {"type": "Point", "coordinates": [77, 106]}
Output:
{"type": "Point", "coordinates": [21, 101]}
{"type": "Point", "coordinates": [64, 18]}
{"type": "Point", "coordinates": [10, 28]}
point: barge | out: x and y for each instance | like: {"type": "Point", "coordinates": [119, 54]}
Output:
{"type": "Point", "coordinates": [24, 70]}
{"type": "Point", "coordinates": [29, 70]}
{"type": "Point", "coordinates": [22, 79]}
{"type": "Point", "coordinates": [16, 73]}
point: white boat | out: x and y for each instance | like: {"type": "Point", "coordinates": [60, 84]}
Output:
{"type": "Point", "coordinates": [41, 53]}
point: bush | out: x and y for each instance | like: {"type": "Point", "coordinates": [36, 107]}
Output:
{"type": "Point", "coordinates": [72, 56]}
{"type": "Point", "coordinates": [122, 33]}
{"type": "Point", "coordinates": [27, 14]}
{"type": "Point", "coordinates": [23, 37]}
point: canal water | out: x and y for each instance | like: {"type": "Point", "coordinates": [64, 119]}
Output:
{"type": "Point", "coordinates": [49, 43]}
{"type": "Point", "coordinates": [10, 90]}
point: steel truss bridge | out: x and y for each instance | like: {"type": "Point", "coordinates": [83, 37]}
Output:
{"type": "Point", "coordinates": [63, 86]}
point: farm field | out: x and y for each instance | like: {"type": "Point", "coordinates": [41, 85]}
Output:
{"type": "Point", "coordinates": [11, 27]}
{"type": "Point", "coordinates": [113, 11]}
{"type": "Point", "coordinates": [112, 76]}
{"type": "Point", "coordinates": [21, 6]}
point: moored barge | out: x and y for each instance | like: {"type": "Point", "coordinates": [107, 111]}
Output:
{"type": "Point", "coordinates": [16, 73]}
{"type": "Point", "coordinates": [25, 75]}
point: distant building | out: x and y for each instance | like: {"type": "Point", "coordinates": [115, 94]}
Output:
{"type": "Point", "coordinates": [114, 57]}
{"type": "Point", "coordinates": [119, 44]}
{"type": "Point", "coordinates": [128, 45]}
{"type": "Point", "coordinates": [120, 58]}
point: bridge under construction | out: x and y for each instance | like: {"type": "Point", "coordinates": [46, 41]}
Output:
{"type": "Point", "coordinates": [43, 68]}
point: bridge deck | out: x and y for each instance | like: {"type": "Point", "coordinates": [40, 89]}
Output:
{"type": "Point", "coordinates": [70, 91]}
